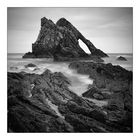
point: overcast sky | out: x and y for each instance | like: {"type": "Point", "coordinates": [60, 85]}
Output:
{"type": "Point", "coordinates": [109, 29]}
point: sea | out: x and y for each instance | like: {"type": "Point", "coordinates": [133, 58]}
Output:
{"type": "Point", "coordinates": [79, 82]}
{"type": "Point", "coordinates": [125, 64]}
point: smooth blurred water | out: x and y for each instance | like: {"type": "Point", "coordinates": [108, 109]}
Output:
{"type": "Point", "coordinates": [79, 82]}
{"type": "Point", "coordinates": [125, 64]}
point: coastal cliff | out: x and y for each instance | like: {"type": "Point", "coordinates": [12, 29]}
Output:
{"type": "Point", "coordinates": [60, 41]}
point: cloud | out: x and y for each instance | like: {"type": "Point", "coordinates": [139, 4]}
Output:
{"type": "Point", "coordinates": [114, 24]}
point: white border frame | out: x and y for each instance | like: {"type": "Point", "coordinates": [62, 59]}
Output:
{"type": "Point", "coordinates": [67, 3]}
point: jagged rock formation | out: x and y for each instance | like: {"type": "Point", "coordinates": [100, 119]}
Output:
{"type": "Point", "coordinates": [44, 103]}
{"type": "Point", "coordinates": [114, 78]}
{"type": "Point", "coordinates": [121, 58]}
{"type": "Point", "coordinates": [60, 40]}
{"type": "Point", "coordinates": [94, 51]}
{"type": "Point", "coordinates": [112, 84]}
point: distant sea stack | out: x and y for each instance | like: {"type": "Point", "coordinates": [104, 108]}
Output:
{"type": "Point", "coordinates": [121, 58]}
{"type": "Point", "coordinates": [60, 41]}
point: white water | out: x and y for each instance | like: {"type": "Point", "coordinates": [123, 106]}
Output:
{"type": "Point", "coordinates": [79, 82]}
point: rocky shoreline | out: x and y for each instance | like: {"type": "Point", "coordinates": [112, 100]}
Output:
{"type": "Point", "coordinates": [44, 103]}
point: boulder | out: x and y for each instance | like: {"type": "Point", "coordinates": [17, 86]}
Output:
{"type": "Point", "coordinates": [28, 55]}
{"type": "Point", "coordinates": [30, 65]}
{"type": "Point", "coordinates": [13, 68]}
{"type": "Point", "coordinates": [121, 58]}
{"type": "Point", "coordinates": [93, 93]}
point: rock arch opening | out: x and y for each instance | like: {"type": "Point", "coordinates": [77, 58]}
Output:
{"type": "Point", "coordinates": [84, 46]}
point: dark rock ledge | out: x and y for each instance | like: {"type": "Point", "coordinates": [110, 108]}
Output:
{"type": "Point", "coordinates": [44, 103]}
{"type": "Point", "coordinates": [112, 84]}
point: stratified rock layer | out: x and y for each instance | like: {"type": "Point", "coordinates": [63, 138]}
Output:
{"type": "Point", "coordinates": [44, 103]}
{"type": "Point", "coordinates": [94, 51]}
{"type": "Point", "coordinates": [60, 41]}
{"type": "Point", "coordinates": [112, 84]}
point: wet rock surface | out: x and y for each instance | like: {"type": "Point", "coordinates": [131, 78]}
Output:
{"type": "Point", "coordinates": [30, 65]}
{"type": "Point", "coordinates": [107, 76]}
{"type": "Point", "coordinates": [60, 41]}
{"type": "Point", "coordinates": [44, 103]}
{"type": "Point", "coordinates": [114, 85]}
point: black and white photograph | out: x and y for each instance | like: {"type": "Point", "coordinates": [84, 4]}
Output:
{"type": "Point", "coordinates": [69, 69]}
